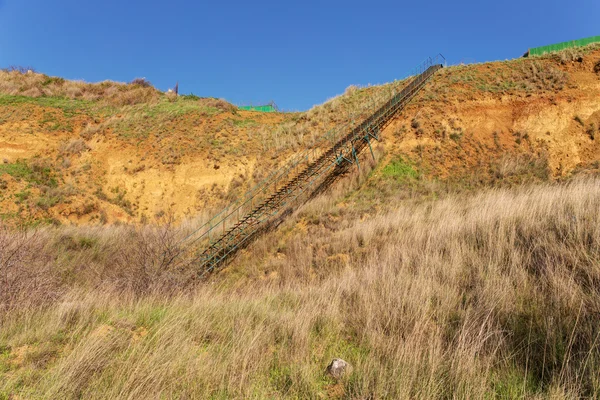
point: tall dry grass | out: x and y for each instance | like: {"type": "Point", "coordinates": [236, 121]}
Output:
{"type": "Point", "coordinates": [490, 295]}
{"type": "Point", "coordinates": [332, 119]}
{"type": "Point", "coordinates": [34, 84]}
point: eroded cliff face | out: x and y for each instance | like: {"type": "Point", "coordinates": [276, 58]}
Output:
{"type": "Point", "coordinates": [79, 161]}
{"type": "Point", "coordinates": [129, 165]}
{"type": "Point", "coordinates": [470, 115]}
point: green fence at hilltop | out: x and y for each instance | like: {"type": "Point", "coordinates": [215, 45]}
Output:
{"type": "Point", "coordinates": [265, 108]}
{"type": "Point", "coordinates": [538, 51]}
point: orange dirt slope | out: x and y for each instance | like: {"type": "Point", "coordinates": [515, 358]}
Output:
{"type": "Point", "coordinates": [96, 153]}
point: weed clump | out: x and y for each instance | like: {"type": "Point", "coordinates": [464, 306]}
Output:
{"type": "Point", "coordinates": [142, 82]}
{"type": "Point", "coordinates": [74, 147]}
{"type": "Point", "coordinates": [399, 169]}
{"type": "Point", "coordinates": [219, 104]}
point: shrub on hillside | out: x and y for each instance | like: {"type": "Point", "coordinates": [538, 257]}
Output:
{"type": "Point", "coordinates": [143, 82]}
{"type": "Point", "coordinates": [74, 147]}
{"type": "Point", "coordinates": [221, 104]}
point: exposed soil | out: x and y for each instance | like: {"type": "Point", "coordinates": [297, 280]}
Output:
{"type": "Point", "coordinates": [133, 169]}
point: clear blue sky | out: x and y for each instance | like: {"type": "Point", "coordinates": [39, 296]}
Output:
{"type": "Point", "coordinates": [297, 53]}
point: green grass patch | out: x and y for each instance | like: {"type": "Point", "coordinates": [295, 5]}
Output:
{"type": "Point", "coordinates": [50, 120]}
{"type": "Point", "coordinates": [512, 384]}
{"type": "Point", "coordinates": [68, 106]}
{"type": "Point", "coordinates": [216, 143]}
{"type": "Point", "coordinates": [399, 169]}
{"type": "Point", "coordinates": [141, 120]}
{"type": "Point", "coordinates": [22, 196]}
{"type": "Point", "coordinates": [36, 174]}
{"type": "Point", "coordinates": [48, 201]}
{"type": "Point", "coordinates": [18, 170]}
{"type": "Point", "coordinates": [190, 96]}
{"type": "Point", "coordinates": [9, 216]}
{"type": "Point", "coordinates": [243, 123]}
{"type": "Point", "coordinates": [4, 359]}
{"type": "Point", "coordinates": [176, 108]}
{"type": "Point", "coordinates": [151, 316]}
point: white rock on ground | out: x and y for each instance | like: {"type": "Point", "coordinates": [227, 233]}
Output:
{"type": "Point", "coordinates": [338, 368]}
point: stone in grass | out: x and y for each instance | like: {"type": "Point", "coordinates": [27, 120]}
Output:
{"type": "Point", "coordinates": [338, 368]}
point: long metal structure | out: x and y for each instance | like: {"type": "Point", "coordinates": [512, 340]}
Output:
{"type": "Point", "coordinates": [304, 176]}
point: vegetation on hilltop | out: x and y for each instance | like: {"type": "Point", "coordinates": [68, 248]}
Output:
{"type": "Point", "coordinates": [135, 143]}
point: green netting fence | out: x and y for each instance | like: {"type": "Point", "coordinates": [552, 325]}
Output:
{"type": "Point", "coordinates": [265, 108]}
{"type": "Point", "coordinates": [538, 51]}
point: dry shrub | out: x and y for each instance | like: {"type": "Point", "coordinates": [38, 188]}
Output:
{"type": "Point", "coordinates": [543, 76]}
{"type": "Point", "coordinates": [171, 96]}
{"type": "Point", "coordinates": [521, 166]}
{"type": "Point", "coordinates": [143, 82]}
{"type": "Point", "coordinates": [33, 92]}
{"type": "Point", "coordinates": [350, 90]}
{"type": "Point", "coordinates": [138, 95]}
{"type": "Point", "coordinates": [597, 67]}
{"type": "Point", "coordinates": [25, 270]}
{"type": "Point", "coordinates": [88, 132]}
{"type": "Point", "coordinates": [151, 260]}
{"type": "Point", "coordinates": [39, 265]}
{"type": "Point", "coordinates": [220, 104]}
{"type": "Point", "coordinates": [569, 55]}
{"type": "Point", "coordinates": [74, 147]}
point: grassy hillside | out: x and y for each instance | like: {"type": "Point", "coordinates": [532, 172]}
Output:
{"type": "Point", "coordinates": [462, 262]}
{"type": "Point", "coordinates": [129, 153]}
{"type": "Point", "coordinates": [490, 295]}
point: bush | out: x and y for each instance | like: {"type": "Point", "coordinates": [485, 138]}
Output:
{"type": "Point", "coordinates": [220, 104]}
{"type": "Point", "coordinates": [53, 80]}
{"type": "Point", "coordinates": [143, 82]}
{"type": "Point", "coordinates": [190, 96]}
{"type": "Point", "coordinates": [455, 136]}
{"type": "Point", "coordinates": [74, 147]}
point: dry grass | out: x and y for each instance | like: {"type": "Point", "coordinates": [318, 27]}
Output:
{"type": "Point", "coordinates": [331, 119]}
{"type": "Point", "coordinates": [110, 93]}
{"type": "Point", "coordinates": [492, 295]}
